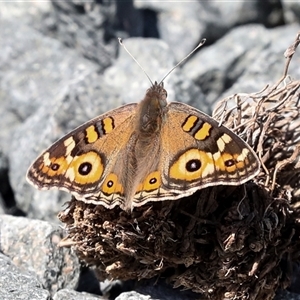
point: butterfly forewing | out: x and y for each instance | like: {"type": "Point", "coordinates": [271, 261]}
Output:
{"type": "Point", "coordinates": [204, 154]}
{"type": "Point", "coordinates": [77, 161]}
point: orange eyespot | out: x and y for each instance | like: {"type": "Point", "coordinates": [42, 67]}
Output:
{"type": "Point", "coordinates": [229, 163]}
{"type": "Point", "coordinates": [54, 166]}
{"type": "Point", "coordinates": [191, 165]}
{"type": "Point", "coordinates": [86, 168]}
{"type": "Point", "coordinates": [152, 182]}
{"type": "Point", "coordinates": [111, 185]}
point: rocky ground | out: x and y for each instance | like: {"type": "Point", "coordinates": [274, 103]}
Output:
{"type": "Point", "coordinates": [61, 65]}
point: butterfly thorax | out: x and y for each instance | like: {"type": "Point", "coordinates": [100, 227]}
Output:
{"type": "Point", "coordinates": [151, 111]}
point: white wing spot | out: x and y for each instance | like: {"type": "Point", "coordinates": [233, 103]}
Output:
{"type": "Point", "coordinates": [69, 144]}
{"type": "Point", "coordinates": [222, 141]}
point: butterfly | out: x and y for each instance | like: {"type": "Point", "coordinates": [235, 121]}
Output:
{"type": "Point", "coordinates": [144, 152]}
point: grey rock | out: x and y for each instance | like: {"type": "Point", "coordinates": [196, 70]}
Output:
{"type": "Point", "coordinates": [179, 24]}
{"type": "Point", "coordinates": [291, 11]}
{"type": "Point", "coordinates": [71, 294]}
{"type": "Point", "coordinates": [2, 206]}
{"type": "Point", "coordinates": [182, 25]}
{"type": "Point", "coordinates": [157, 292]}
{"type": "Point", "coordinates": [130, 21]}
{"type": "Point", "coordinates": [32, 14]}
{"type": "Point", "coordinates": [16, 284]}
{"type": "Point", "coordinates": [252, 50]}
{"type": "Point", "coordinates": [85, 26]}
{"type": "Point", "coordinates": [126, 77]}
{"type": "Point", "coordinates": [35, 69]}
{"type": "Point", "coordinates": [156, 58]}
{"type": "Point", "coordinates": [217, 66]}
{"type": "Point", "coordinates": [32, 245]}
{"type": "Point", "coordinates": [134, 296]}
{"type": "Point", "coordinates": [112, 287]}
{"type": "Point", "coordinates": [268, 64]}
{"type": "Point", "coordinates": [286, 295]}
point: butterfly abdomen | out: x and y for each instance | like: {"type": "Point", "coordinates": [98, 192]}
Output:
{"type": "Point", "coordinates": [144, 157]}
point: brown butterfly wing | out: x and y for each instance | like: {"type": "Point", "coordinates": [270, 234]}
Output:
{"type": "Point", "coordinates": [79, 161]}
{"type": "Point", "coordinates": [195, 153]}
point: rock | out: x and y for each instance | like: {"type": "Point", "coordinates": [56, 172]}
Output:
{"type": "Point", "coordinates": [85, 26]}
{"type": "Point", "coordinates": [133, 296]}
{"type": "Point", "coordinates": [251, 68]}
{"type": "Point", "coordinates": [178, 23]}
{"type": "Point", "coordinates": [31, 15]}
{"type": "Point", "coordinates": [182, 26]}
{"type": "Point", "coordinates": [286, 295]}
{"type": "Point", "coordinates": [291, 10]}
{"type": "Point", "coordinates": [17, 284]}
{"type": "Point", "coordinates": [128, 78]}
{"type": "Point", "coordinates": [268, 64]}
{"type": "Point", "coordinates": [131, 21]}
{"type": "Point", "coordinates": [71, 294]}
{"type": "Point", "coordinates": [2, 205]}
{"type": "Point", "coordinates": [32, 246]}
{"type": "Point", "coordinates": [216, 67]}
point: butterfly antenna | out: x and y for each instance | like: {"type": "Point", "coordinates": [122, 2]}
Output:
{"type": "Point", "coordinates": [121, 43]}
{"type": "Point", "coordinates": [186, 57]}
